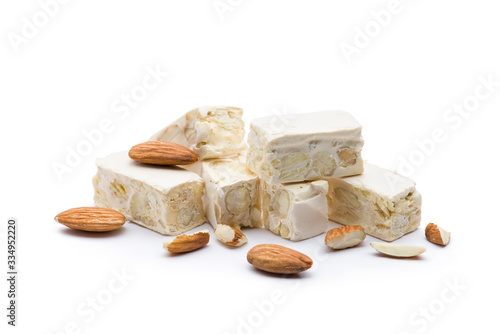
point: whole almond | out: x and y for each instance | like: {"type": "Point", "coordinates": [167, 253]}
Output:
{"type": "Point", "coordinates": [91, 219]}
{"type": "Point", "coordinates": [162, 153]}
{"type": "Point", "coordinates": [229, 235]}
{"type": "Point", "coordinates": [437, 235]}
{"type": "Point", "coordinates": [278, 259]}
{"type": "Point", "coordinates": [187, 242]}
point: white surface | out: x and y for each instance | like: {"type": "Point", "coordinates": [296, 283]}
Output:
{"type": "Point", "coordinates": [159, 177]}
{"type": "Point", "coordinates": [382, 181]}
{"type": "Point", "coordinates": [267, 58]}
{"type": "Point", "coordinates": [307, 124]}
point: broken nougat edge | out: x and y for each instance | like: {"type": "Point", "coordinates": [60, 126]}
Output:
{"type": "Point", "coordinates": [302, 147]}
{"type": "Point", "coordinates": [295, 211]}
{"type": "Point", "coordinates": [164, 199]}
{"type": "Point", "coordinates": [385, 204]}
{"type": "Point", "coordinates": [209, 131]}
{"type": "Point", "coordinates": [232, 193]}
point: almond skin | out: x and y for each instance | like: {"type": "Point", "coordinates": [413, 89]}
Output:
{"type": "Point", "coordinates": [91, 219]}
{"type": "Point", "coordinates": [187, 242]}
{"type": "Point", "coordinates": [278, 259]}
{"type": "Point", "coordinates": [162, 153]}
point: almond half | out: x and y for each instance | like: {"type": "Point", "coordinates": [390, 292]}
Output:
{"type": "Point", "coordinates": [397, 250]}
{"type": "Point", "coordinates": [345, 236]}
{"type": "Point", "coordinates": [278, 259]}
{"type": "Point", "coordinates": [187, 242]}
{"type": "Point", "coordinates": [91, 219]}
{"type": "Point", "coordinates": [162, 153]}
{"type": "Point", "coordinates": [229, 235]}
{"type": "Point", "coordinates": [437, 235]}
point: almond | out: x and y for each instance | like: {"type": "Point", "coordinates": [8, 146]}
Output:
{"type": "Point", "coordinates": [278, 259]}
{"type": "Point", "coordinates": [91, 219]}
{"type": "Point", "coordinates": [345, 236]}
{"type": "Point", "coordinates": [187, 242]}
{"type": "Point", "coordinates": [162, 153]}
{"type": "Point", "coordinates": [229, 235]}
{"type": "Point", "coordinates": [397, 250]}
{"type": "Point", "coordinates": [437, 235]}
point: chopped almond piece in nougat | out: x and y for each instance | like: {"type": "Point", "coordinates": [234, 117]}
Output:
{"type": "Point", "coordinates": [295, 211]}
{"type": "Point", "coordinates": [210, 132]}
{"type": "Point", "coordinates": [237, 197]}
{"type": "Point", "coordinates": [302, 147]}
{"type": "Point", "coordinates": [232, 195]}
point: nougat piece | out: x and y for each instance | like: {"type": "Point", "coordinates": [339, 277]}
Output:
{"type": "Point", "coordinates": [295, 211]}
{"type": "Point", "coordinates": [164, 199]}
{"type": "Point", "coordinates": [299, 147]}
{"type": "Point", "coordinates": [210, 132]}
{"type": "Point", "coordinates": [384, 203]}
{"type": "Point", "coordinates": [232, 193]}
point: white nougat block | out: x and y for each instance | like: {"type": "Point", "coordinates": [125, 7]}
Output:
{"type": "Point", "coordinates": [300, 147]}
{"type": "Point", "coordinates": [164, 199]}
{"type": "Point", "coordinates": [232, 193]}
{"type": "Point", "coordinates": [210, 131]}
{"type": "Point", "coordinates": [384, 203]}
{"type": "Point", "coordinates": [295, 211]}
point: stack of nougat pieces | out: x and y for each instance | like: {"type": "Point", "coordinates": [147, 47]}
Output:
{"type": "Point", "coordinates": [296, 172]}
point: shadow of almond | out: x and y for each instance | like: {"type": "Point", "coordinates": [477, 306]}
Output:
{"type": "Point", "coordinates": [302, 275]}
{"type": "Point", "coordinates": [413, 258]}
{"type": "Point", "coordinates": [93, 235]}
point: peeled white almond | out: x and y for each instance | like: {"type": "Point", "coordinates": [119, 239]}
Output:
{"type": "Point", "coordinates": [397, 250]}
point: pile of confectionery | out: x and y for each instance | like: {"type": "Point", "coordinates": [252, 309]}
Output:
{"type": "Point", "coordinates": [296, 172]}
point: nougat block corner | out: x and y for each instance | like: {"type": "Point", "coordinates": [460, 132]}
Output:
{"type": "Point", "coordinates": [164, 199]}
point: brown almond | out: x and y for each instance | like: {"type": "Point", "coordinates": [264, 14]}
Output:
{"type": "Point", "coordinates": [437, 235]}
{"type": "Point", "coordinates": [278, 259]}
{"type": "Point", "coordinates": [162, 153]}
{"type": "Point", "coordinates": [187, 242]}
{"type": "Point", "coordinates": [91, 219]}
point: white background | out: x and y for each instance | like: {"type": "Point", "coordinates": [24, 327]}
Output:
{"type": "Point", "coordinates": [267, 57]}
